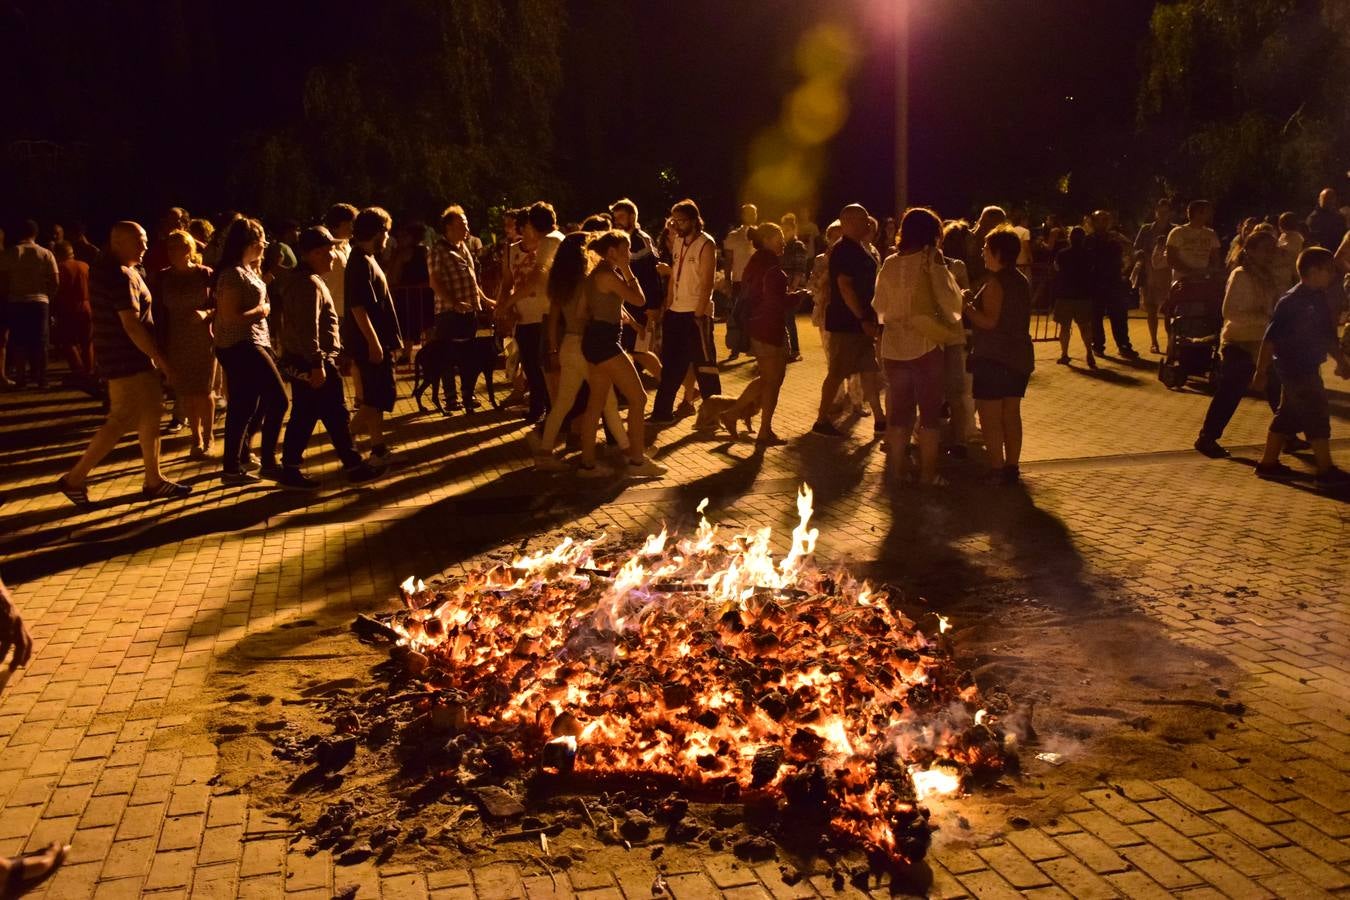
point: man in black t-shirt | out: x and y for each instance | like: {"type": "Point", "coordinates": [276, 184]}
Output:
{"type": "Point", "coordinates": [1110, 299]}
{"type": "Point", "coordinates": [850, 323]}
{"type": "Point", "coordinates": [124, 345]}
{"type": "Point", "coordinates": [371, 330]}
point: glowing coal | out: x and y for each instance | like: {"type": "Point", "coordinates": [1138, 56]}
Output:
{"type": "Point", "coordinates": [711, 664]}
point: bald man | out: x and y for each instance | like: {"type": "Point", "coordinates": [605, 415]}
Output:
{"type": "Point", "coordinates": [850, 323]}
{"type": "Point", "coordinates": [124, 344]}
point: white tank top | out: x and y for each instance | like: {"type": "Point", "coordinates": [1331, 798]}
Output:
{"type": "Point", "coordinates": [684, 271]}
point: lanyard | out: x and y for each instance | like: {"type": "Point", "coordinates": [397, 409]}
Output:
{"type": "Point", "coordinates": [684, 251]}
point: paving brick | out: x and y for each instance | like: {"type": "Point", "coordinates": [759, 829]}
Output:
{"type": "Point", "coordinates": [1170, 841]}
{"type": "Point", "coordinates": [170, 869]}
{"type": "Point", "coordinates": [1096, 854]}
{"type": "Point", "coordinates": [771, 876]}
{"type": "Point", "coordinates": [695, 886]}
{"type": "Point", "coordinates": [1158, 866]}
{"type": "Point", "coordinates": [1319, 872]}
{"type": "Point", "coordinates": [1076, 878]}
{"type": "Point", "coordinates": [1227, 879]}
{"type": "Point", "coordinates": [1315, 842]}
{"type": "Point", "coordinates": [497, 882]}
{"type": "Point", "coordinates": [988, 885]}
{"type": "Point", "coordinates": [1034, 844]}
{"type": "Point", "coordinates": [1237, 854]}
{"type": "Point", "coordinates": [726, 871]}
{"type": "Point", "coordinates": [1250, 830]}
{"type": "Point", "coordinates": [1190, 795]}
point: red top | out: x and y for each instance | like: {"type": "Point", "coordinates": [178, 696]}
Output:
{"type": "Point", "coordinates": [766, 292]}
{"type": "Point", "coordinates": [73, 290]}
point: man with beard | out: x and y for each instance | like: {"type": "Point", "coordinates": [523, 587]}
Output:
{"type": "Point", "coordinates": [644, 264]}
{"type": "Point", "coordinates": [687, 313]}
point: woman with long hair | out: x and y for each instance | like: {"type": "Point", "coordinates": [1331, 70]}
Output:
{"type": "Point", "coordinates": [182, 295]}
{"type": "Point", "coordinates": [609, 285]}
{"type": "Point", "coordinates": [257, 400]}
{"type": "Point", "coordinates": [918, 306]}
{"type": "Point", "coordinates": [1001, 357]}
{"type": "Point", "coordinates": [572, 263]}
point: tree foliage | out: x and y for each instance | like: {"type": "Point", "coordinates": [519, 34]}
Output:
{"type": "Point", "coordinates": [1244, 100]}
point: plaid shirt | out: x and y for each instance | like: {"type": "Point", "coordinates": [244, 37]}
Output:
{"type": "Point", "coordinates": [452, 269]}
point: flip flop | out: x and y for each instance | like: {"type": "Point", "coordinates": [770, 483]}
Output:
{"type": "Point", "coordinates": [166, 490]}
{"type": "Point", "coordinates": [78, 496]}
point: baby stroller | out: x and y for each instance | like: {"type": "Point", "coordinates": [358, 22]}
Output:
{"type": "Point", "coordinates": [1193, 313]}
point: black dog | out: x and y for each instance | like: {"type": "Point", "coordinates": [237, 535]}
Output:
{"type": "Point", "coordinates": [439, 360]}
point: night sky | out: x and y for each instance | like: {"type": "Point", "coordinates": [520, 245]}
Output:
{"type": "Point", "coordinates": [646, 86]}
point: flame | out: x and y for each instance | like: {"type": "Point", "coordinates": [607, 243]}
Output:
{"type": "Point", "coordinates": [648, 654]}
{"type": "Point", "coordinates": [943, 624]}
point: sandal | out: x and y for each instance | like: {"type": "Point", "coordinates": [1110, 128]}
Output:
{"type": "Point", "coordinates": [166, 490]}
{"type": "Point", "coordinates": [79, 496]}
{"type": "Point", "coordinates": [29, 869]}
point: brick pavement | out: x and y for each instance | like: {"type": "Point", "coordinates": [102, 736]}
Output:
{"type": "Point", "coordinates": [134, 607]}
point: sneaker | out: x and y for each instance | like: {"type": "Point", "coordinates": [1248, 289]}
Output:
{"type": "Point", "coordinates": [380, 452]}
{"type": "Point", "coordinates": [1062, 361]}
{"type": "Point", "coordinates": [826, 428]}
{"type": "Point", "coordinates": [249, 463]}
{"type": "Point", "coordinates": [1210, 447]}
{"type": "Point", "coordinates": [361, 473]}
{"type": "Point", "coordinates": [879, 428]}
{"type": "Point", "coordinates": [174, 426]}
{"type": "Point", "coordinates": [1296, 445]}
{"type": "Point", "coordinates": [957, 451]}
{"type": "Point", "coordinates": [647, 468]}
{"type": "Point", "coordinates": [271, 471]}
{"type": "Point", "coordinates": [769, 439]}
{"type": "Point", "coordinates": [661, 421]}
{"type": "Point", "coordinates": [1011, 474]}
{"type": "Point", "coordinates": [296, 480]}
{"type": "Point", "coordinates": [238, 478]}
{"type": "Point", "coordinates": [1274, 472]}
{"type": "Point", "coordinates": [1128, 353]}
{"type": "Point", "coordinates": [1092, 362]}
{"type": "Point", "coordinates": [684, 410]}
{"type": "Point", "coordinates": [1331, 478]}
{"type": "Point", "coordinates": [166, 490]}
{"type": "Point", "coordinates": [198, 452]}
{"type": "Point", "coordinates": [547, 462]}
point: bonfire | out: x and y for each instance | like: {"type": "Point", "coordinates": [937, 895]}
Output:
{"type": "Point", "coordinates": [707, 664]}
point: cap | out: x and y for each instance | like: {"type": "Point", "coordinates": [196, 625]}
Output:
{"type": "Point", "coordinates": [313, 239]}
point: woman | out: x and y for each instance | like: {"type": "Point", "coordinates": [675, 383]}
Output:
{"type": "Point", "coordinates": [1073, 295]}
{"type": "Point", "coordinates": [244, 348]}
{"type": "Point", "coordinates": [572, 263]}
{"type": "Point", "coordinates": [1001, 357]}
{"type": "Point", "coordinates": [1234, 258]}
{"type": "Point", "coordinates": [918, 306]}
{"type": "Point", "coordinates": [1152, 277]}
{"type": "Point", "coordinates": [182, 295]}
{"type": "Point", "coordinates": [605, 290]}
{"type": "Point", "coordinates": [960, 424]}
{"type": "Point", "coordinates": [1253, 287]}
{"type": "Point", "coordinates": [74, 317]}
{"type": "Point", "coordinates": [764, 287]}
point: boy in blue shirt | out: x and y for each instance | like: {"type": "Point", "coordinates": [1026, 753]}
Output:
{"type": "Point", "coordinates": [1301, 334]}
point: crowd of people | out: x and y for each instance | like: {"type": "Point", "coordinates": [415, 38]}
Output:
{"type": "Point", "coordinates": [925, 325]}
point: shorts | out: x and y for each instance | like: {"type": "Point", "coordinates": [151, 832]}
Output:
{"type": "Point", "coordinates": [377, 384]}
{"type": "Point", "coordinates": [1072, 310]}
{"type": "Point", "coordinates": [600, 342]}
{"type": "Point", "coordinates": [1303, 407]}
{"type": "Point", "coordinates": [134, 397]}
{"type": "Point", "coordinates": [765, 350]}
{"type": "Point", "coordinates": [916, 382]}
{"type": "Point", "coordinates": [995, 381]}
{"type": "Point", "coordinates": [850, 353]}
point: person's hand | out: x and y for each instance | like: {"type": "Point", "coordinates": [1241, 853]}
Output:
{"type": "Point", "coordinates": [663, 269]}
{"type": "Point", "coordinates": [317, 377]}
{"type": "Point", "coordinates": [13, 633]}
{"type": "Point", "coordinates": [265, 307]}
{"type": "Point", "coordinates": [376, 354]}
{"type": "Point", "coordinates": [1259, 381]}
{"type": "Point", "coordinates": [870, 328]}
{"type": "Point", "coordinates": [1343, 369]}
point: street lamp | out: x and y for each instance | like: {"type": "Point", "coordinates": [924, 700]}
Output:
{"type": "Point", "coordinates": [901, 106]}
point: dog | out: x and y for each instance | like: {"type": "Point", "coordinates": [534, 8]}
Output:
{"type": "Point", "coordinates": [439, 360]}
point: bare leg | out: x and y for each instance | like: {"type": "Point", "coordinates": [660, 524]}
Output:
{"type": "Point", "coordinates": [1321, 448]}
{"type": "Point", "coordinates": [21, 872]}
{"type": "Point", "coordinates": [772, 370]}
{"type": "Point", "coordinates": [930, 444]}
{"type": "Point", "coordinates": [829, 389]}
{"type": "Point", "coordinates": [600, 383]}
{"type": "Point", "coordinates": [871, 385]}
{"type": "Point", "coordinates": [1064, 329]}
{"type": "Point", "coordinates": [1274, 447]}
{"type": "Point", "coordinates": [1152, 328]}
{"type": "Point", "coordinates": [1012, 430]}
{"type": "Point", "coordinates": [1086, 335]}
{"type": "Point", "coordinates": [899, 429]}
{"type": "Point", "coordinates": [147, 430]}
{"type": "Point", "coordinates": [100, 445]}
{"type": "Point", "coordinates": [991, 425]}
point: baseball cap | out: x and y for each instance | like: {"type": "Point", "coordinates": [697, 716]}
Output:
{"type": "Point", "coordinates": [313, 239]}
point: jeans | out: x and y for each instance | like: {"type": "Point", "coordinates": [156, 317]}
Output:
{"type": "Point", "coordinates": [28, 331]}
{"type": "Point", "coordinates": [1235, 376]}
{"type": "Point", "coordinates": [685, 342]}
{"type": "Point", "coordinates": [571, 377]}
{"type": "Point", "coordinates": [530, 343]}
{"type": "Point", "coordinates": [257, 402]}
{"type": "Point", "coordinates": [309, 406]}
{"type": "Point", "coordinates": [457, 330]}
{"type": "Point", "coordinates": [1111, 305]}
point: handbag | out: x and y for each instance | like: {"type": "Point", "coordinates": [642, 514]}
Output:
{"type": "Point", "coordinates": [931, 317]}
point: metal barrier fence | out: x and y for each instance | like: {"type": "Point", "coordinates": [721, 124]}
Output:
{"type": "Point", "coordinates": [1043, 327]}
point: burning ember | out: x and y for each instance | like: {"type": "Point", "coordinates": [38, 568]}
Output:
{"type": "Point", "coordinates": [710, 665]}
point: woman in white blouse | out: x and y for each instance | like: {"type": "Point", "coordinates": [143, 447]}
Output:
{"type": "Point", "coordinates": [918, 306]}
{"type": "Point", "coordinates": [1253, 288]}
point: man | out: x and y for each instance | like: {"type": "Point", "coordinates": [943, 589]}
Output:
{"type": "Point", "coordinates": [124, 344]}
{"type": "Point", "coordinates": [1326, 225]}
{"type": "Point", "coordinates": [528, 302]}
{"type": "Point", "coordinates": [338, 220]}
{"type": "Point", "coordinates": [686, 313]}
{"type": "Point", "coordinates": [796, 263]}
{"type": "Point", "coordinates": [644, 263]}
{"type": "Point", "coordinates": [309, 344]}
{"type": "Point", "coordinates": [458, 298]}
{"type": "Point", "coordinates": [85, 251]}
{"type": "Point", "coordinates": [372, 329]}
{"type": "Point", "coordinates": [1106, 250]}
{"type": "Point", "coordinates": [850, 323]}
{"type": "Point", "coordinates": [175, 218]}
{"type": "Point", "coordinates": [739, 247]}
{"type": "Point", "coordinates": [28, 280]}
{"type": "Point", "coordinates": [1193, 249]}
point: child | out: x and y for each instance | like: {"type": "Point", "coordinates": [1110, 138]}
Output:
{"type": "Point", "coordinates": [1300, 336]}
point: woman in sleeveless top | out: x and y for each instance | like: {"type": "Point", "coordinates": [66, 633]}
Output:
{"type": "Point", "coordinates": [182, 295]}
{"type": "Point", "coordinates": [566, 281]}
{"type": "Point", "coordinates": [1001, 356]}
{"type": "Point", "coordinates": [604, 292]}
{"type": "Point", "coordinates": [257, 399]}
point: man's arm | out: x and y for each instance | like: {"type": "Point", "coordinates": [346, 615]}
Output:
{"type": "Point", "coordinates": [141, 337]}
{"type": "Point", "coordinates": [368, 331]}
{"type": "Point", "coordinates": [13, 633]}
{"type": "Point", "coordinates": [53, 278]}
{"type": "Point", "coordinates": [707, 273]}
